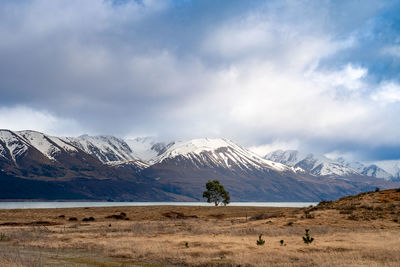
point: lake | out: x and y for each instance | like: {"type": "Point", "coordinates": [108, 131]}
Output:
{"type": "Point", "coordinates": [51, 205]}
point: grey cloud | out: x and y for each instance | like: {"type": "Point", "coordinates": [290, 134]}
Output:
{"type": "Point", "coordinates": [256, 72]}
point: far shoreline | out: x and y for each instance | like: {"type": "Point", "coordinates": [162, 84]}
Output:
{"type": "Point", "coordinates": [7, 205]}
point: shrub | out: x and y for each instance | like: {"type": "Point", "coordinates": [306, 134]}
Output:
{"type": "Point", "coordinates": [308, 215]}
{"type": "Point", "coordinates": [346, 212]}
{"type": "Point", "coordinates": [261, 216]}
{"type": "Point", "coordinates": [260, 241]}
{"type": "Point", "coordinates": [264, 216]}
{"type": "Point", "coordinates": [121, 216]}
{"type": "Point", "coordinates": [366, 207]}
{"type": "Point", "coordinates": [90, 219]}
{"type": "Point", "coordinates": [352, 217]}
{"type": "Point", "coordinates": [72, 219]}
{"type": "Point", "coordinates": [307, 238]}
{"type": "Point", "coordinates": [3, 237]}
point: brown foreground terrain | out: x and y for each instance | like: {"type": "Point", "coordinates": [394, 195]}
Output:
{"type": "Point", "coordinates": [362, 230]}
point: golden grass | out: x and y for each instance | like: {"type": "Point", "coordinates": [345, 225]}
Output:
{"type": "Point", "coordinates": [219, 236]}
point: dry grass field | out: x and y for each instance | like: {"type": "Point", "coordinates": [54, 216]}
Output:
{"type": "Point", "coordinates": [362, 230]}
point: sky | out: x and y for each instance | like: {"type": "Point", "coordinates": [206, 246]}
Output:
{"type": "Point", "coordinates": [320, 76]}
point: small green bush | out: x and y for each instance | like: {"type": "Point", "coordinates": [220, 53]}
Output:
{"type": "Point", "coordinates": [307, 238]}
{"type": "Point", "coordinates": [3, 237]}
{"type": "Point", "coordinates": [308, 215]}
{"type": "Point", "coordinates": [260, 241]}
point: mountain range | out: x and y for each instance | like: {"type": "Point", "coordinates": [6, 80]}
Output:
{"type": "Point", "coordinates": [37, 166]}
{"type": "Point", "coordinates": [323, 166]}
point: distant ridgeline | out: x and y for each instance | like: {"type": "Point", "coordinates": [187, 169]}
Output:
{"type": "Point", "coordinates": [36, 166]}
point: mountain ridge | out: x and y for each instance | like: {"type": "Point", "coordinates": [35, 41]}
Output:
{"type": "Point", "coordinates": [107, 168]}
{"type": "Point", "coordinates": [321, 165]}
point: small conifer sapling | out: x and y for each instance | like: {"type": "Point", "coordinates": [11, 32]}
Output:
{"type": "Point", "coordinates": [260, 241]}
{"type": "Point", "coordinates": [307, 238]}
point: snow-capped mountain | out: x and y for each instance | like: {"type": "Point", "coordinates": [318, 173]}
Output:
{"type": "Point", "coordinates": [316, 164]}
{"type": "Point", "coordinates": [322, 166]}
{"type": "Point", "coordinates": [185, 167]}
{"type": "Point", "coordinates": [206, 152]}
{"type": "Point", "coordinates": [34, 165]}
{"type": "Point", "coordinates": [390, 166]}
{"type": "Point", "coordinates": [375, 171]}
{"type": "Point", "coordinates": [15, 144]}
{"type": "Point", "coordinates": [371, 169]}
{"type": "Point", "coordinates": [147, 148]}
{"type": "Point", "coordinates": [105, 148]}
{"type": "Point", "coordinates": [34, 154]}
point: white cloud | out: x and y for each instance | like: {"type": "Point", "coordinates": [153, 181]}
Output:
{"type": "Point", "coordinates": [388, 92]}
{"type": "Point", "coordinates": [256, 37]}
{"type": "Point", "coordinates": [350, 77]}
{"type": "Point", "coordinates": [275, 145]}
{"type": "Point", "coordinates": [24, 118]}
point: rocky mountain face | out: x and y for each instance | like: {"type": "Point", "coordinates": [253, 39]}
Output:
{"type": "Point", "coordinates": [36, 155]}
{"type": "Point", "coordinates": [110, 150]}
{"type": "Point", "coordinates": [322, 166]}
{"type": "Point", "coordinates": [38, 166]}
{"type": "Point", "coordinates": [371, 170]}
{"type": "Point", "coordinates": [186, 166]}
{"type": "Point", "coordinates": [34, 165]}
{"type": "Point", "coordinates": [104, 148]}
{"type": "Point", "coordinates": [218, 153]}
{"type": "Point", "coordinates": [316, 165]}
{"type": "Point", "coordinates": [392, 167]}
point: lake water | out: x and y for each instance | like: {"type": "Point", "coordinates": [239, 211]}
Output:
{"type": "Point", "coordinates": [51, 205]}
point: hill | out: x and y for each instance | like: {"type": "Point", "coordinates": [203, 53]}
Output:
{"type": "Point", "coordinates": [379, 204]}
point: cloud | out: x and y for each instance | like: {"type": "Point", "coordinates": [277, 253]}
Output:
{"type": "Point", "coordinates": [253, 72]}
{"type": "Point", "coordinates": [388, 92]}
{"type": "Point", "coordinates": [392, 50]}
{"type": "Point", "coordinates": [23, 118]}
{"type": "Point", "coordinates": [350, 77]}
{"type": "Point", "coordinates": [275, 145]}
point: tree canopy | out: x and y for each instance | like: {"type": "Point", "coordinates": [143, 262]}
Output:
{"type": "Point", "coordinates": [216, 193]}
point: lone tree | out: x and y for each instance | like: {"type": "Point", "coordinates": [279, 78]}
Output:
{"type": "Point", "coordinates": [216, 193]}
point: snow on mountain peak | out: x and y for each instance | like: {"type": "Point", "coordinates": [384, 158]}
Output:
{"type": "Point", "coordinates": [197, 146]}
{"type": "Point", "coordinates": [147, 148]}
{"type": "Point", "coordinates": [47, 145]}
{"type": "Point", "coordinates": [220, 152]}
{"type": "Point", "coordinates": [105, 148]}
{"type": "Point", "coordinates": [12, 144]}
{"type": "Point", "coordinates": [18, 142]}
{"type": "Point", "coordinates": [316, 164]}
